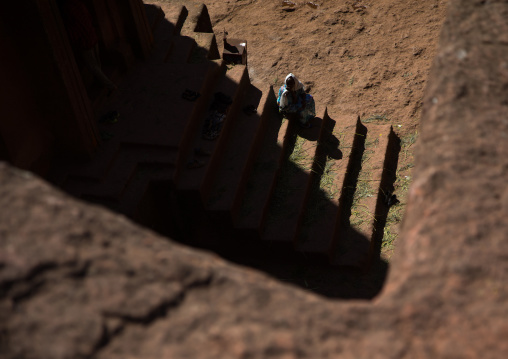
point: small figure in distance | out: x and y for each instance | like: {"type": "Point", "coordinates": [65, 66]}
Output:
{"type": "Point", "coordinates": [294, 103]}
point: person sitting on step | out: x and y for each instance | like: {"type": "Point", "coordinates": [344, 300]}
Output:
{"type": "Point", "coordinates": [295, 103]}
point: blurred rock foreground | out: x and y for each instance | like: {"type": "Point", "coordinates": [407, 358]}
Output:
{"type": "Point", "coordinates": [77, 281]}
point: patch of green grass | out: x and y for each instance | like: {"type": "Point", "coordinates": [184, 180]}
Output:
{"type": "Point", "coordinates": [351, 81]}
{"type": "Point", "coordinates": [299, 157]}
{"type": "Point", "coordinates": [389, 238]}
{"type": "Point", "coordinates": [364, 187]}
{"type": "Point", "coordinates": [403, 180]}
{"type": "Point", "coordinates": [407, 142]}
{"type": "Point", "coordinates": [406, 167]}
{"type": "Point", "coordinates": [363, 190]}
{"type": "Point", "coordinates": [370, 144]}
{"type": "Point", "coordinates": [393, 219]}
{"type": "Point", "coordinates": [326, 183]}
{"type": "Point", "coordinates": [376, 118]}
{"type": "Point", "coordinates": [367, 155]}
{"type": "Point", "coordinates": [359, 212]}
{"type": "Point", "coordinates": [321, 196]}
{"type": "Point", "coordinates": [359, 215]}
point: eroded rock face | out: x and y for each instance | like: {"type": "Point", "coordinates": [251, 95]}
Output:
{"type": "Point", "coordinates": [77, 281]}
{"type": "Point", "coordinates": [452, 259]}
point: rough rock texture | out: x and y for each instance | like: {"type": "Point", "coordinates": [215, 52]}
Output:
{"type": "Point", "coordinates": [77, 281]}
{"type": "Point", "coordinates": [452, 263]}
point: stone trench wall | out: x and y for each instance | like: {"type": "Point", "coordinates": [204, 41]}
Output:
{"type": "Point", "coordinates": [79, 282]}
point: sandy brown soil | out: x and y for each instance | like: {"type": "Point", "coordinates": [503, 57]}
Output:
{"type": "Point", "coordinates": [364, 57]}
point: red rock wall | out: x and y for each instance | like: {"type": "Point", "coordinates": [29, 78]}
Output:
{"type": "Point", "coordinates": [45, 102]}
{"type": "Point", "coordinates": [45, 105]}
{"type": "Point", "coordinates": [77, 281]}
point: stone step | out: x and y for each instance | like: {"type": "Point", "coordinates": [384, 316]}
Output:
{"type": "Point", "coordinates": [206, 47]}
{"type": "Point", "coordinates": [154, 15]}
{"type": "Point", "coordinates": [126, 164]}
{"type": "Point", "coordinates": [91, 169]}
{"type": "Point", "coordinates": [175, 13]}
{"type": "Point", "coordinates": [182, 49]}
{"type": "Point", "coordinates": [100, 95]}
{"type": "Point", "coordinates": [268, 111]}
{"type": "Point", "coordinates": [194, 125]}
{"type": "Point", "coordinates": [199, 26]}
{"type": "Point", "coordinates": [234, 165]}
{"type": "Point", "coordinates": [96, 168]}
{"type": "Point", "coordinates": [56, 175]}
{"type": "Point", "coordinates": [139, 184]}
{"type": "Point", "coordinates": [153, 112]}
{"type": "Point", "coordinates": [293, 183]}
{"type": "Point", "coordinates": [336, 156]}
{"type": "Point", "coordinates": [166, 20]}
{"type": "Point", "coordinates": [265, 168]}
{"type": "Point", "coordinates": [198, 19]}
{"type": "Point", "coordinates": [191, 21]}
{"type": "Point", "coordinates": [233, 84]}
{"type": "Point", "coordinates": [354, 242]}
{"type": "Point", "coordinates": [136, 189]}
{"type": "Point", "coordinates": [163, 36]}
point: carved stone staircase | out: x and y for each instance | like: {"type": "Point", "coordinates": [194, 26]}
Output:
{"type": "Point", "coordinates": [267, 184]}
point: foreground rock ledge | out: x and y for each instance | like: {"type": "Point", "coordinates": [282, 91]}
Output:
{"type": "Point", "coordinates": [78, 282]}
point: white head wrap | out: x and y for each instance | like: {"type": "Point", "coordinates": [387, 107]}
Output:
{"type": "Point", "coordinates": [298, 85]}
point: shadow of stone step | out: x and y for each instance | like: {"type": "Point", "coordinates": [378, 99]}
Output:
{"type": "Point", "coordinates": [166, 20]}
{"type": "Point", "coordinates": [268, 111]}
{"type": "Point", "coordinates": [235, 164]}
{"type": "Point", "coordinates": [128, 207]}
{"type": "Point", "coordinates": [126, 164]}
{"type": "Point", "coordinates": [293, 183]}
{"type": "Point", "coordinates": [333, 173]}
{"type": "Point", "coordinates": [181, 51]}
{"type": "Point", "coordinates": [193, 126]}
{"type": "Point", "coordinates": [198, 26]}
{"type": "Point", "coordinates": [163, 37]}
{"type": "Point", "coordinates": [94, 169]}
{"type": "Point", "coordinates": [206, 47]}
{"type": "Point", "coordinates": [138, 185]}
{"type": "Point", "coordinates": [265, 168]}
{"type": "Point", "coordinates": [233, 84]}
{"type": "Point", "coordinates": [196, 41]}
{"type": "Point", "coordinates": [198, 19]}
{"type": "Point", "coordinates": [174, 13]}
{"type": "Point", "coordinates": [356, 238]}
{"type": "Point", "coordinates": [154, 15]}
{"type": "Point", "coordinates": [151, 104]}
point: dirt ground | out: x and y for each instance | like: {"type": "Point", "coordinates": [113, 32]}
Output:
{"type": "Point", "coordinates": [365, 57]}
